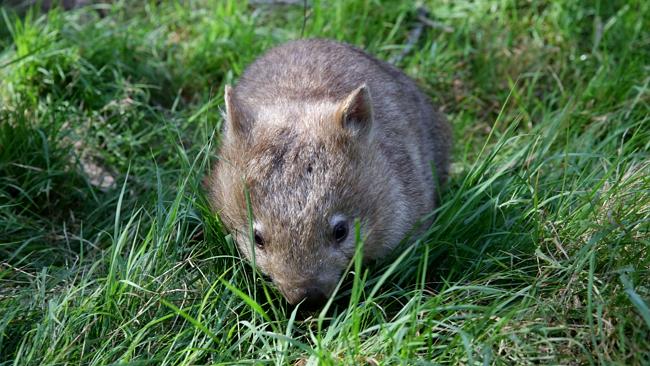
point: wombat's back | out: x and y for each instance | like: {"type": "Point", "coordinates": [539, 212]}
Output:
{"type": "Point", "coordinates": [411, 135]}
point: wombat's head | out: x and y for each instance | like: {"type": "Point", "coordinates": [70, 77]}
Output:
{"type": "Point", "coordinates": [309, 172]}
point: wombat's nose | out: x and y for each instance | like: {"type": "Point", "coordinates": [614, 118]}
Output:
{"type": "Point", "coordinates": [314, 299]}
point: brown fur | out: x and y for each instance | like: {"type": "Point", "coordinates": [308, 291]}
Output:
{"type": "Point", "coordinates": [315, 129]}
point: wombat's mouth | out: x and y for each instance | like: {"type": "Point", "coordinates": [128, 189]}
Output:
{"type": "Point", "coordinates": [314, 299]}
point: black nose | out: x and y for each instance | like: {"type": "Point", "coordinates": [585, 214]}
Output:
{"type": "Point", "coordinates": [314, 299]}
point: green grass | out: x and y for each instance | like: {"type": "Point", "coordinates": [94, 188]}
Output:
{"type": "Point", "coordinates": [539, 252]}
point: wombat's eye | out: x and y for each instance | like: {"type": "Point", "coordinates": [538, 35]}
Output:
{"type": "Point", "coordinates": [340, 231]}
{"type": "Point", "coordinates": [259, 241]}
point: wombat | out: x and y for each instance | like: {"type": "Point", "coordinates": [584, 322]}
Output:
{"type": "Point", "coordinates": [320, 133]}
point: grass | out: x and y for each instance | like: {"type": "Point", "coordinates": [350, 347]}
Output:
{"type": "Point", "coordinates": [539, 253]}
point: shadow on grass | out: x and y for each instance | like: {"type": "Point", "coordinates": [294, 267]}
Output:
{"type": "Point", "coordinates": [50, 210]}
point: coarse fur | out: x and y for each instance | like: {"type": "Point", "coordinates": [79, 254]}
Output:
{"type": "Point", "coordinates": [318, 131]}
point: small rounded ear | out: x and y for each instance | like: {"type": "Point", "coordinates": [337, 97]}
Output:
{"type": "Point", "coordinates": [238, 121]}
{"type": "Point", "coordinates": [355, 112]}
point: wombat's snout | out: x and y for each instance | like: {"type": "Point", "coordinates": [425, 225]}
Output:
{"type": "Point", "coordinates": [311, 298]}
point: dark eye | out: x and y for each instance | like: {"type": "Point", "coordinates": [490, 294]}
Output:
{"type": "Point", "coordinates": [340, 231]}
{"type": "Point", "coordinates": [259, 241]}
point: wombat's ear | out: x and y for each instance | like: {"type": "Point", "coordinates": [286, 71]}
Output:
{"type": "Point", "coordinates": [355, 112]}
{"type": "Point", "coordinates": [237, 120]}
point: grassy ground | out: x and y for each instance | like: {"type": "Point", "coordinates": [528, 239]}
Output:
{"type": "Point", "coordinates": [539, 254]}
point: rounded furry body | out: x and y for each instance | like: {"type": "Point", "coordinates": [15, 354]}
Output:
{"type": "Point", "coordinates": [320, 133]}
